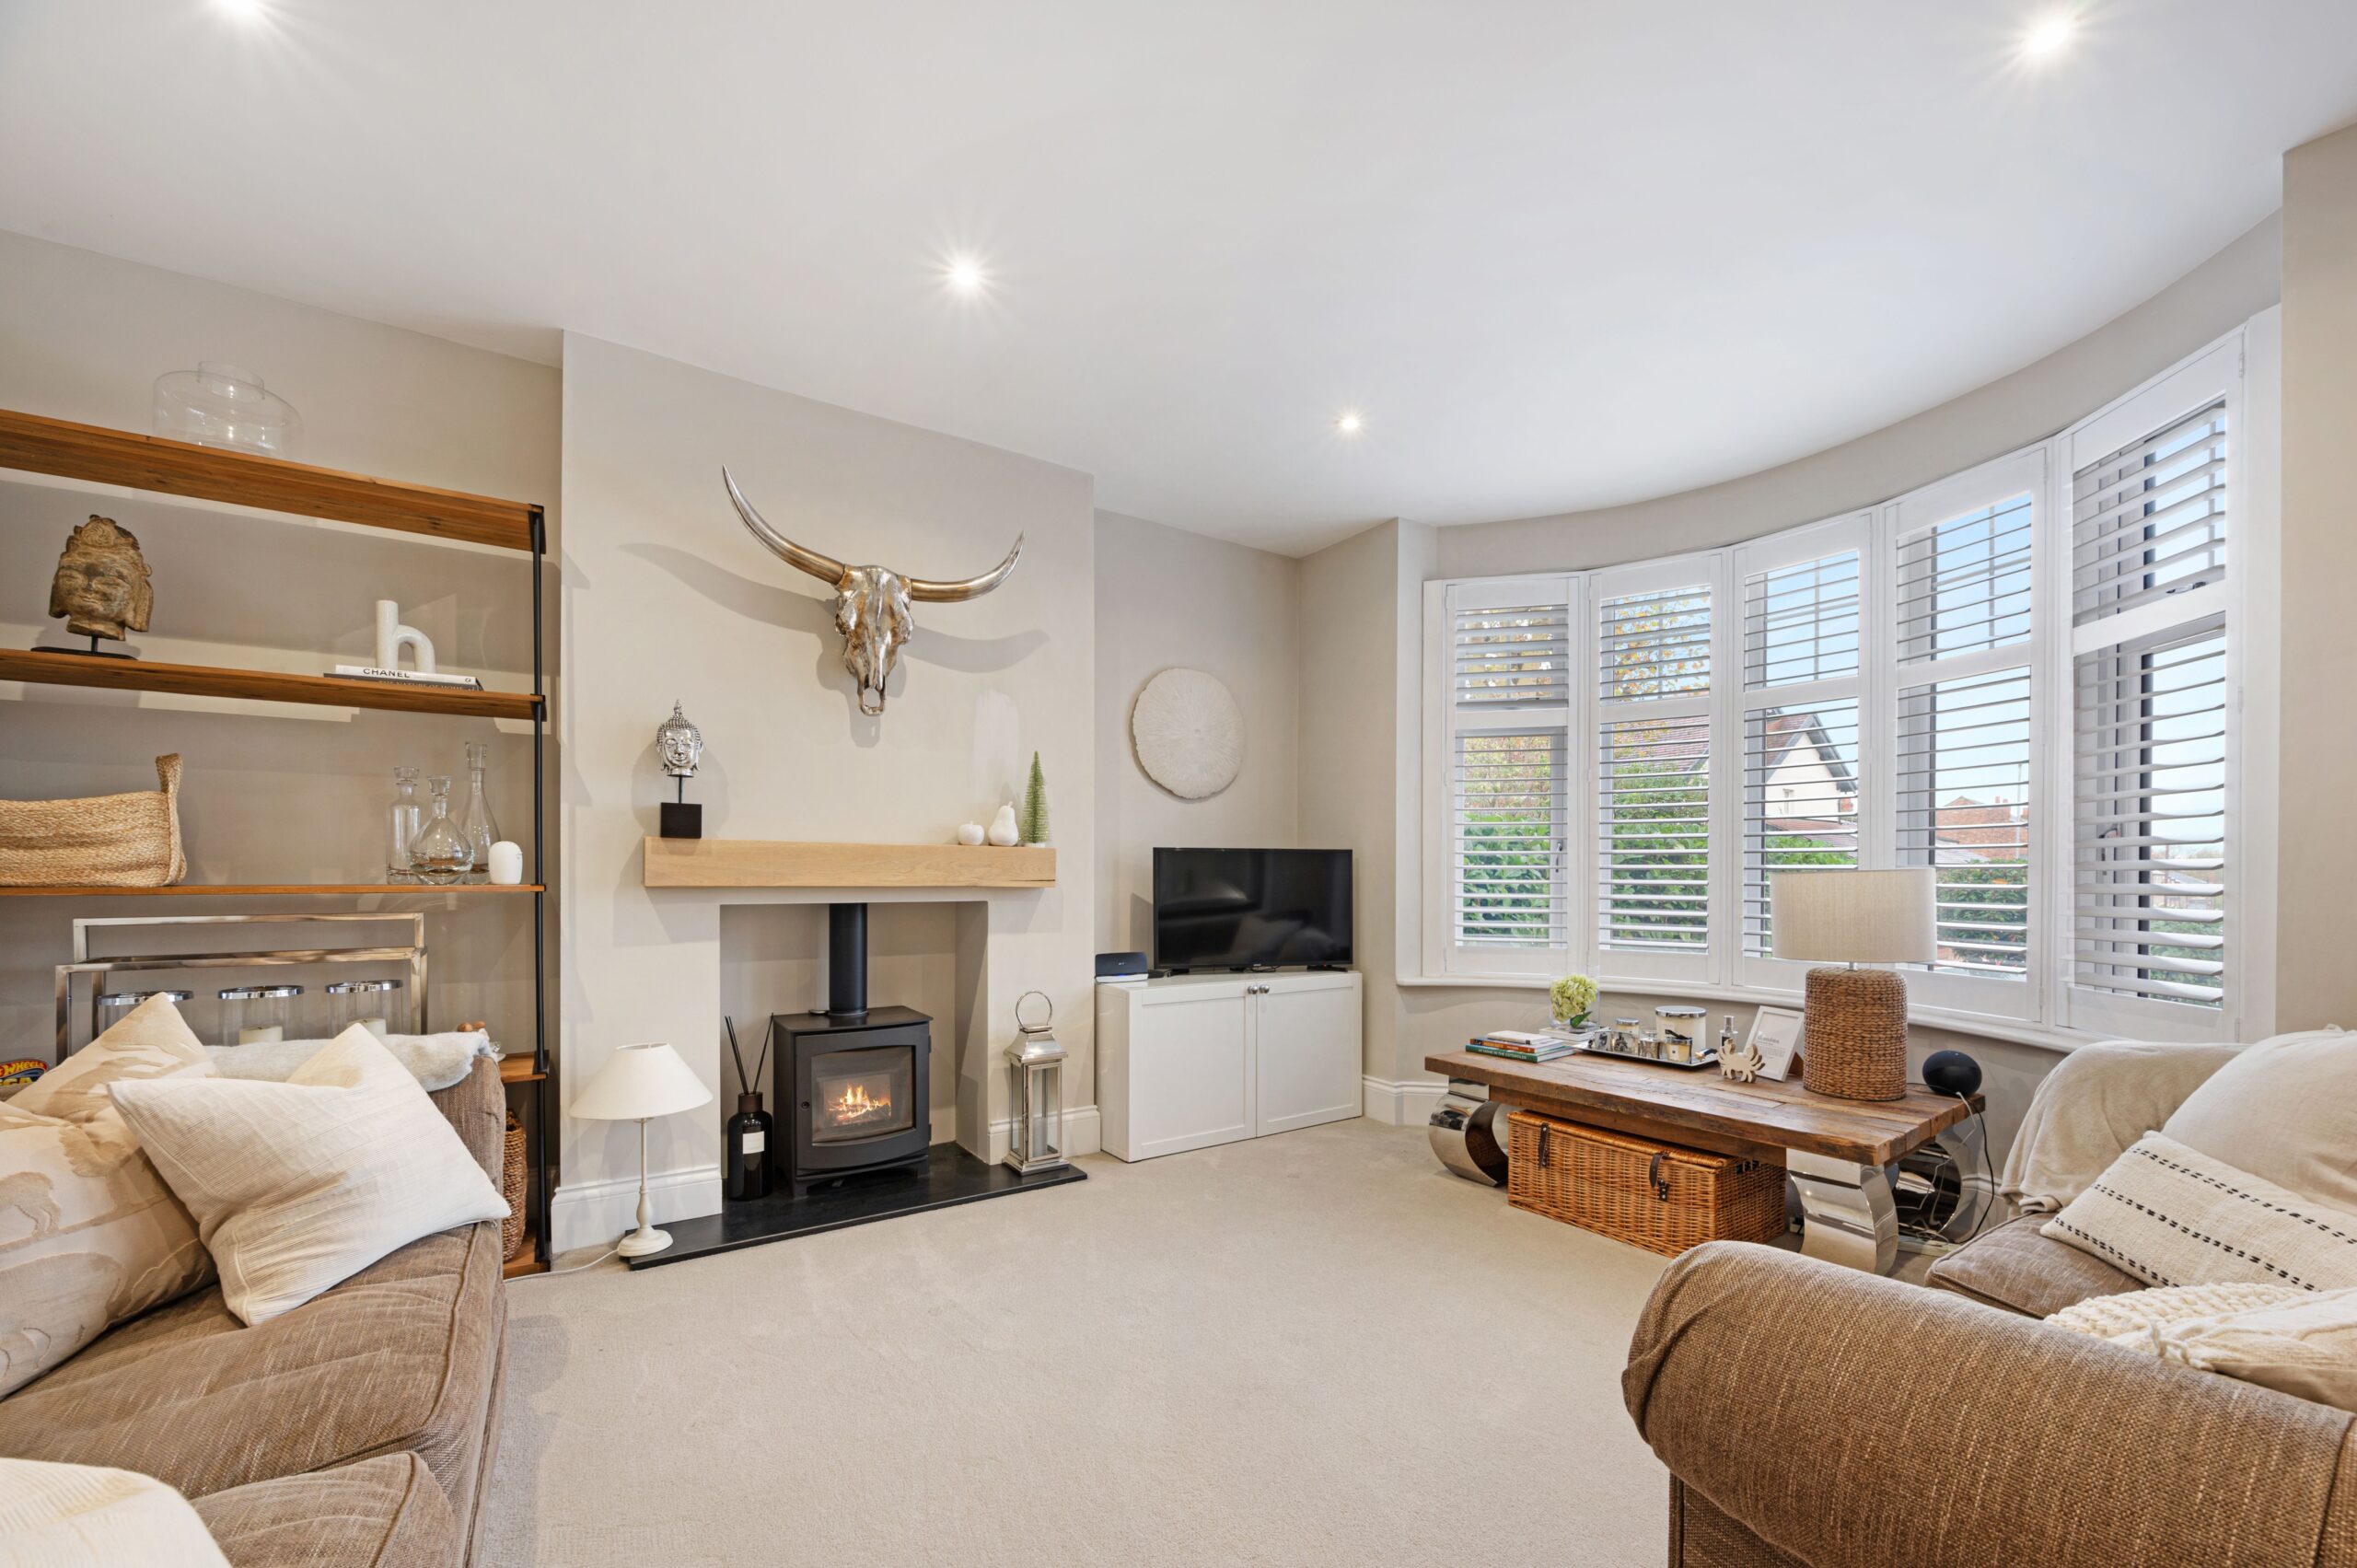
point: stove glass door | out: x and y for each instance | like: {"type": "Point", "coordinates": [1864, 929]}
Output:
{"type": "Point", "coordinates": [862, 1094]}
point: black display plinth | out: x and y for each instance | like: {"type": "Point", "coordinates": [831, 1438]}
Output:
{"type": "Point", "coordinates": [948, 1176]}
{"type": "Point", "coordinates": [682, 820]}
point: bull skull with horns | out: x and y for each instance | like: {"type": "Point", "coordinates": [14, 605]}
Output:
{"type": "Point", "coordinates": [871, 602]}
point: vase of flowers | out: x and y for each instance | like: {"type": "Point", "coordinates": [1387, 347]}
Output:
{"type": "Point", "coordinates": [1573, 997]}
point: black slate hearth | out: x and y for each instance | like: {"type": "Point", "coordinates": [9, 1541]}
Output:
{"type": "Point", "coordinates": [948, 1176]}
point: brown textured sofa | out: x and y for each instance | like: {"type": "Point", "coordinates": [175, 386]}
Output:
{"type": "Point", "coordinates": [1816, 1415]}
{"type": "Point", "coordinates": [357, 1429]}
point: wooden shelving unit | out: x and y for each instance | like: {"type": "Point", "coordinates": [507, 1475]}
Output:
{"type": "Point", "coordinates": [755, 862]}
{"type": "Point", "coordinates": [273, 890]}
{"type": "Point", "coordinates": [48, 669]}
{"type": "Point", "coordinates": [34, 444]}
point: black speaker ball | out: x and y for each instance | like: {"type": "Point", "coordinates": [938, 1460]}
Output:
{"type": "Point", "coordinates": [1951, 1073]}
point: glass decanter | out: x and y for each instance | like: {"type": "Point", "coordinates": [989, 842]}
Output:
{"type": "Point", "coordinates": [440, 853]}
{"type": "Point", "coordinates": [481, 831]}
{"type": "Point", "coordinates": [402, 822]}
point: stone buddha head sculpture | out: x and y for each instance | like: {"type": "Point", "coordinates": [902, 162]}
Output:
{"type": "Point", "coordinates": [101, 585]}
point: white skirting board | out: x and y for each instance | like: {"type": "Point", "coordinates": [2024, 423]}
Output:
{"type": "Point", "coordinates": [1404, 1104]}
{"type": "Point", "coordinates": [593, 1213]}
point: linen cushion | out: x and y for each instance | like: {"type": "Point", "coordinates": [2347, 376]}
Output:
{"type": "Point", "coordinates": [298, 1185]}
{"type": "Point", "coordinates": [2173, 1216]}
{"type": "Point", "coordinates": [2015, 1268]}
{"type": "Point", "coordinates": [385, 1512]}
{"type": "Point", "coordinates": [2133, 1311]}
{"type": "Point", "coordinates": [76, 1516]}
{"type": "Point", "coordinates": [403, 1355]}
{"type": "Point", "coordinates": [2284, 1110]}
{"type": "Point", "coordinates": [89, 1233]}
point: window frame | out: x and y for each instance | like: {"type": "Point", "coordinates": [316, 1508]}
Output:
{"type": "Point", "coordinates": [2043, 1005]}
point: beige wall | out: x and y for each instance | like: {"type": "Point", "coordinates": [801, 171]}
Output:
{"type": "Point", "coordinates": [271, 793]}
{"type": "Point", "coordinates": [1363, 612]}
{"type": "Point", "coordinates": [2315, 983]}
{"type": "Point", "coordinates": [1167, 598]}
{"type": "Point", "coordinates": [668, 596]}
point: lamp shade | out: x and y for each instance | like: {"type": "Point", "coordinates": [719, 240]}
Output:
{"type": "Point", "coordinates": [640, 1081]}
{"type": "Point", "coordinates": [1855, 917]}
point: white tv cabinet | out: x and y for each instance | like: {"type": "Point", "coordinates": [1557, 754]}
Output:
{"type": "Point", "coordinates": [1196, 1059]}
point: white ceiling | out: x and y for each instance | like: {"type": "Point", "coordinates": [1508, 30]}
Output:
{"type": "Point", "coordinates": [1561, 254]}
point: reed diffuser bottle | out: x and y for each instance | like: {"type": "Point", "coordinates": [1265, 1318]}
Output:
{"type": "Point", "coordinates": [746, 1171]}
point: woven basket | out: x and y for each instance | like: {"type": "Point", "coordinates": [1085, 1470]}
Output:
{"type": "Point", "coordinates": [1657, 1196]}
{"type": "Point", "coordinates": [1853, 1034]}
{"type": "Point", "coordinates": [512, 1184]}
{"type": "Point", "coordinates": [101, 841]}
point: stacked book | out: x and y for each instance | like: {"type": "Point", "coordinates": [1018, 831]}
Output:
{"type": "Point", "coordinates": [1519, 1045]}
{"type": "Point", "coordinates": [410, 677]}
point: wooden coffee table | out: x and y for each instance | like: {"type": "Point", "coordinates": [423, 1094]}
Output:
{"type": "Point", "coordinates": [1834, 1149]}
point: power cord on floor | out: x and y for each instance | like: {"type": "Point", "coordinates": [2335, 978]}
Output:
{"type": "Point", "coordinates": [552, 1274]}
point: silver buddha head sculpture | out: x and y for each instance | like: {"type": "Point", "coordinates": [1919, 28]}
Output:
{"type": "Point", "coordinates": [680, 744]}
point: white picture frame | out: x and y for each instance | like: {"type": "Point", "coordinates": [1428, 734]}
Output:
{"type": "Point", "coordinates": [1776, 1036]}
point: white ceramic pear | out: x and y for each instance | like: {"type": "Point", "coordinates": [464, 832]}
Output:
{"type": "Point", "coordinates": [1002, 829]}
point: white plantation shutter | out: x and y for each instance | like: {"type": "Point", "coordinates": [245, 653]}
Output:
{"type": "Point", "coordinates": [2149, 520]}
{"type": "Point", "coordinates": [2149, 877]}
{"type": "Point", "coordinates": [2153, 769]}
{"type": "Point", "coordinates": [1803, 685]}
{"type": "Point", "coordinates": [1966, 751]}
{"type": "Point", "coordinates": [1509, 771]}
{"type": "Point", "coordinates": [1964, 772]}
{"type": "Point", "coordinates": [1653, 631]}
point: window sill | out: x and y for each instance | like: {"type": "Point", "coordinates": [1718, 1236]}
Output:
{"type": "Point", "coordinates": [2015, 1031]}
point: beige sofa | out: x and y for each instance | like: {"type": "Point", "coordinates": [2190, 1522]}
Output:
{"type": "Point", "coordinates": [1816, 1415]}
{"type": "Point", "coordinates": [355, 1429]}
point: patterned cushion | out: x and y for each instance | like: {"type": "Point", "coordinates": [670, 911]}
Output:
{"type": "Point", "coordinates": [89, 1234]}
{"type": "Point", "coordinates": [2171, 1217]}
{"type": "Point", "coordinates": [2132, 1311]}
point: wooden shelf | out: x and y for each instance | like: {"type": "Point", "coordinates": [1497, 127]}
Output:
{"type": "Point", "coordinates": [753, 863]}
{"type": "Point", "coordinates": [35, 445]}
{"type": "Point", "coordinates": [265, 890]}
{"type": "Point", "coordinates": [49, 668]}
{"type": "Point", "coordinates": [518, 1070]}
{"type": "Point", "coordinates": [522, 1263]}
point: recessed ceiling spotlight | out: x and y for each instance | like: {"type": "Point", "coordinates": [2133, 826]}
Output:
{"type": "Point", "coordinates": [244, 10]}
{"type": "Point", "coordinates": [2048, 36]}
{"type": "Point", "coordinates": [1350, 423]}
{"type": "Point", "coordinates": [965, 275]}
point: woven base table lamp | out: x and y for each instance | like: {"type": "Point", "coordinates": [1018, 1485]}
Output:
{"type": "Point", "coordinates": [637, 1084]}
{"type": "Point", "coordinates": [1853, 1026]}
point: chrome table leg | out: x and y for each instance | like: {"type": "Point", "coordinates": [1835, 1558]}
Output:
{"type": "Point", "coordinates": [1848, 1215]}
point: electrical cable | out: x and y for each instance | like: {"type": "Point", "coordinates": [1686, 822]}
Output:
{"type": "Point", "coordinates": [552, 1274]}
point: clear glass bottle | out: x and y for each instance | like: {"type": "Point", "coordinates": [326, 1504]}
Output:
{"type": "Point", "coordinates": [481, 831]}
{"type": "Point", "coordinates": [218, 404]}
{"type": "Point", "coordinates": [112, 1008]}
{"type": "Point", "coordinates": [367, 1002]}
{"type": "Point", "coordinates": [440, 853]}
{"type": "Point", "coordinates": [407, 815]}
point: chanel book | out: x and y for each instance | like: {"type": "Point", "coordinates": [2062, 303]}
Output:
{"type": "Point", "coordinates": [370, 672]}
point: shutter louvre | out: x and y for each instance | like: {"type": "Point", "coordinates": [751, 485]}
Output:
{"type": "Point", "coordinates": [1965, 584]}
{"type": "Point", "coordinates": [1964, 809]}
{"type": "Point", "coordinates": [1652, 842]}
{"type": "Point", "coordinates": [1654, 644]}
{"type": "Point", "coordinates": [2149, 520]}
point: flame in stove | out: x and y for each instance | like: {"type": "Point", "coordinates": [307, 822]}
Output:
{"type": "Point", "coordinates": [854, 1104]}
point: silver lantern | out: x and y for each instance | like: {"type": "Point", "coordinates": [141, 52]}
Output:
{"type": "Point", "coordinates": [1038, 1065]}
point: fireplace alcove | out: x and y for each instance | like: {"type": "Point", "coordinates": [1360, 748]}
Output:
{"type": "Point", "coordinates": [869, 1085]}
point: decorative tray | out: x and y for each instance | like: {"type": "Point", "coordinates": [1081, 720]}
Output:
{"type": "Point", "coordinates": [1710, 1058]}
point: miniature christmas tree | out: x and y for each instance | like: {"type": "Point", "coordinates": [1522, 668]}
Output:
{"type": "Point", "coordinates": [1035, 805]}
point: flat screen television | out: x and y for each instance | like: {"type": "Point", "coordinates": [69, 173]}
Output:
{"type": "Point", "coordinates": [1233, 909]}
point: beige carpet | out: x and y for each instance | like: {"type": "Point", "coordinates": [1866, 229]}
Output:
{"type": "Point", "coordinates": [1315, 1348]}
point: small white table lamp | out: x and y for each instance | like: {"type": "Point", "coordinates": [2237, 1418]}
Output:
{"type": "Point", "coordinates": [637, 1084]}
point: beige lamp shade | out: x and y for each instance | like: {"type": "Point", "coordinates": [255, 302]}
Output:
{"type": "Point", "coordinates": [1855, 917]}
{"type": "Point", "coordinates": [640, 1081]}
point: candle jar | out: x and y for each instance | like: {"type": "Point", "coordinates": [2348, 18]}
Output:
{"type": "Point", "coordinates": [1623, 1040]}
{"type": "Point", "coordinates": [112, 1008]}
{"type": "Point", "coordinates": [257, 1014]}
{"type": "Point", "coordinates": [367, 1002]}
{"type": "Point", "coordinates": [1681, 1033]}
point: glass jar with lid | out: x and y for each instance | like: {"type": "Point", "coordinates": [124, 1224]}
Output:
{"type": "Point", "coordinates": [257, 1014]}
{"type": "Point", "coordinates": [367, 1002]}
{"type": "Point", "coordinates": [116, 1005]}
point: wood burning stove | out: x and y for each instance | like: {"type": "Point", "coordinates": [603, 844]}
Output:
{"type": "Point", "coordinates": [853, 1081]}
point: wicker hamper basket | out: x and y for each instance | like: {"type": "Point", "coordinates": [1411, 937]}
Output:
{"type": "Point", "coordinates": [103, 840]}
{"type": "Point", "coordinates": [1657, 1196]}
{"type": "Point", "coordinates": [512, 1188]}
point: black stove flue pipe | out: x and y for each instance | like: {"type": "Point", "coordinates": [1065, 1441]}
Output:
{"type": "Point", "coordinates": [846, 960]}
